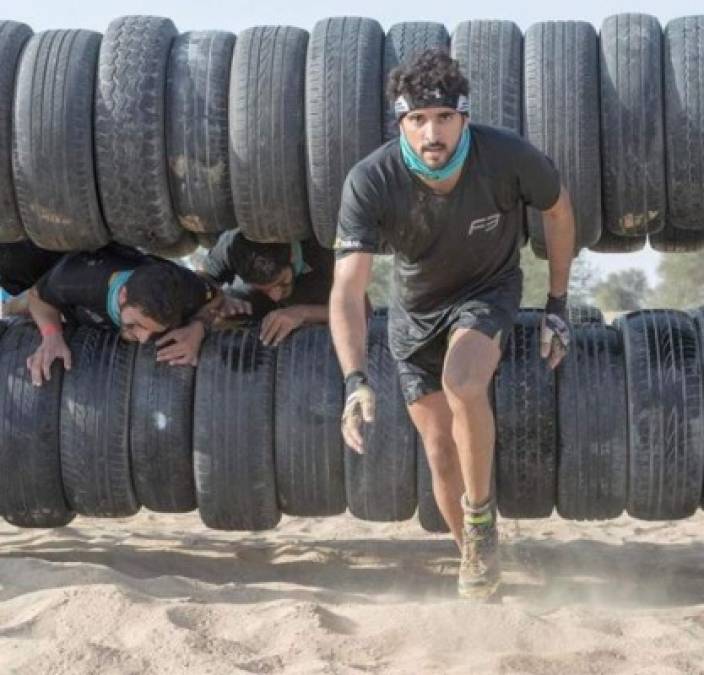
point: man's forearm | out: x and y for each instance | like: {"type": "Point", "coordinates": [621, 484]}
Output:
{"type": "Point", "coordinates": [348, 326]}
{"type": "Point", "coordinates": [46, 316]}
{"type": "Point", "coordinates": [314, 313]}
{"type": "Point", "coordinates": [559, 230]}
{"type": "Point", "coordinates": [208, 312]}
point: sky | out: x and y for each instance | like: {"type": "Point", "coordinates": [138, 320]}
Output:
{"type": "Point", "coordinates": [236, 16]}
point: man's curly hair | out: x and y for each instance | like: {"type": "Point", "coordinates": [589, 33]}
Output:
{"type": "Point", "coordinates": [157, 290]}
{"type": "Point", "coordinates": [258, 263]}
{"type": "Point", "coordinates": [430, 70]}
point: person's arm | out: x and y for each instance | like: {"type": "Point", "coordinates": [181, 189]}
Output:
{"type": "Point", "coordinates": [217, 268]}
{"type": "Point", "coordinates": [540, 187]}
{"type": "Point", "coordinates": [359, 228]}
{"type": "Point", "coordinates": [348, 316]}
{"type": "Point", "coordinates": [559, 227]}
{"type": "Point", "coordinates": [16, 306]}
{"type": "Point", "coordinates": [348, 325]}
{"type": "Point", "coordinates": [53, 346]}
{"type": "Point", "coordinates": [314, 313]}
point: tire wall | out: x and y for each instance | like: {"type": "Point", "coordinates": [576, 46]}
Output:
{"type": "Point", "coordinates": [13, 37]}
{"type": "Point", "coordinates": [561, 104]}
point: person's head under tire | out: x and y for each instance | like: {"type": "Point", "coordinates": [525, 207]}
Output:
{"type": "Point", "coordinates": [264, 266]}
{"type": "Point", "coordinates": [151, 302]}
{"type": "Point", "coordinates": [429, 95]}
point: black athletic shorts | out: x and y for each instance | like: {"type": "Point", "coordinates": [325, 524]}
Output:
{"type": "Point", "coordinates": [489, 312]}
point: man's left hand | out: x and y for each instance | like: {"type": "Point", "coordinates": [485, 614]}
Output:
{"type": "Point", "coordinates": [280, 323]}
{"type": "Point", "coordinates": [182, 345]}
{"type": "Point", "coordinates": [554, 331]}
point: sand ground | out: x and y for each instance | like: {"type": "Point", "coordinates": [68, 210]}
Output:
{"type": "Point", "coordinates": [163, 594]}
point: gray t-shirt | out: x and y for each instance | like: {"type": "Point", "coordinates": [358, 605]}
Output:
{"type": "Point", "coordinates": [447, 248]}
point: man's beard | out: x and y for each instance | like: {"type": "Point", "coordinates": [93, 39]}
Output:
{"type": "Point", "coordinates": [435, 147]}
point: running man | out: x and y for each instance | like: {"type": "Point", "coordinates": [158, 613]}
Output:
{"type": "Point", "coordinates": [448, 198]}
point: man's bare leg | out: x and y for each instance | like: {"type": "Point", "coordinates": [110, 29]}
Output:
{"type": "Point", "coordinates": [432, 417]}
{"type": "Point", "coordinates": [469, 366]}
{"type": "Point", "coordinates": [470, 363]}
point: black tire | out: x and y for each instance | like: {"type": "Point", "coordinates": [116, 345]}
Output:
{"type": "Point", "coordinates": [403, 42]}
{"type": "Point", "coordinates": [431, 520]}
{"type": "Point", "coordinates": [233, 432]}
{"type": "Point", "coordinates": [632, 143]}
{"type": "Point", "coordinates": [612, 243]}
{"type": "Point", "coordinates": [580, 314]}
{"type": "Point", "coordinates": [53, 154]}
{"type": "Point", "coordinates": [343, 111]}
{"type": "Point", "coordinates": [665, 414]}
{"type": "Point", "coordinates": [490, 54]}
{"type": "Point", "coordinates": [698, 318]}
{"type": "Point", "coordinates": [22, 264]}
{"type": "Point", "coordinates": [529, 316]}
{"type": "Point", "coordinates": [161, 434]}
{"type": "Point", "coordinates": [308, 446]}
{"type": "Point", "coordinates": [267, 133]}
{"type": "Point", "coordinates": [95, 422]}
{"type": "Point", "coordinates": [592, 450]}
{"type": "Point", "coordinates": [13, 37]}
{"type": "Point", "coordinates": [675, 240]}
{"type": "Point", "coordinates": [526, 434]}
{"type": "Point", "coordinates": [561, 89]}
{"type": "Point", "coordinates": [31, 489]}
{"type": "Point", "coordinates": [684, 121]}
{"type": "Point", "coordinates": [130, 143]}
{"type": "Point", "coordinates": [197, 142]}
{"type": "Point", "coordinates": [382, 483]}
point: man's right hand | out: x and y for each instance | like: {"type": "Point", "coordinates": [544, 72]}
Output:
{"type": "Point", "coordinates": [39, 364]}
{"type": "Point", "coordinates": [359, 409]}
{"type": "Point", "coordinates": [231, 308]}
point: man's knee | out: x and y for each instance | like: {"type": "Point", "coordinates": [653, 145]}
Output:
{"type": "Point", "coordinates": [465, 386]}
{"type": "Point", "coordinates": [441, 452]}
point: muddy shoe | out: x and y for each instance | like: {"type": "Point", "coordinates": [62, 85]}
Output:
{"type": "Point", "coordinates": [480, 571]}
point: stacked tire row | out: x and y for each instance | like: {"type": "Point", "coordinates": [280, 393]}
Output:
{"type": "Point", "coordinates": [253, 432]}
{"type": "Point", "coordinates": [162, 140]}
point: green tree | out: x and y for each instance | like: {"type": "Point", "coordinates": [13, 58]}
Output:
{"type": "Point", "coordinates": [582, 281]}
{"type": "Point", "coordinates": [536, 280]}
{"type": "Point", "coordinates": [681, 283]}
{"type": "Point", "coordinates": [626, 291]}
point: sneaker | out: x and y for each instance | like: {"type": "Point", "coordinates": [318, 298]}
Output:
{"type": "Point", "coordinates": [480, 570]}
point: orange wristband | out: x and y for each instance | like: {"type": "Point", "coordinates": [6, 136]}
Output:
{"type": "Point", "coordinates": [49, 329]}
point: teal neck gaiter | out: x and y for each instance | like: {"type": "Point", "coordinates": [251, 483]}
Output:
{"type": "Point", "coordinates": [117, 281]}
{"type": "Point", "coordinates": [416, 164]}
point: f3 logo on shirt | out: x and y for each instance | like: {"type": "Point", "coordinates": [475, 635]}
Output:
{"type": "Point", "coordinates": [486, 224]}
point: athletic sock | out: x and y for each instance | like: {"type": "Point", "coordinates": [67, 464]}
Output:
{"type": "Point", "coordinates": [477, 515]}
